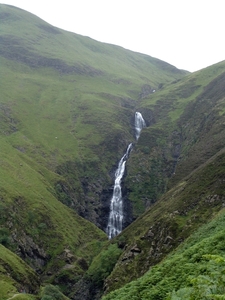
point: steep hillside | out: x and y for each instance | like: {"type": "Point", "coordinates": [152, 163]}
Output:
{"type": "Point", "coordinates": [182, 152]}
{"type": "Point", "coordinates": [66, 113]}
{"type": "Point", "coordinates": [15, 276]}
{"type": "Point", "coordinates": [187, 128]}
{"type": "Point", "coordinates": [67, 102]}
{"type": "Point", "coordinates": [194, 201]}
{"type": "Point", "coordinates": [194, 271]}
{"type": "Point", "coordinates": [67, 110]}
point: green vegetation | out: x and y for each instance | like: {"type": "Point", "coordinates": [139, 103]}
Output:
{"type": "Point", "coordinates": [103, 264]}
{"type": "Point", "coordinates": [15, 275]}
{"type": "Point", "coordinates": [179, 213]}
{"type": "Point", "coordinates": [64, 122]}
{"type": "Point", "coordinates": [192, 271]}
{"type": "Point", "coordinates": [51, 292]}
{"type": "Point", "coordinates": [66, 113]}
{"type": "Point", "coordinates": [68, 107]}
{"type": "Point", "coordinates": [210, 286]}
{"type": "Point", "coordinates": [185, 117]}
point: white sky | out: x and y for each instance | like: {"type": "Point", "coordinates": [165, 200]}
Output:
{"type": "Point", "coordinates": [188, 34]}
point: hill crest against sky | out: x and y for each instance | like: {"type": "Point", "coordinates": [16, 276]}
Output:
{"type": "Point", "coordinates": [150, 28]}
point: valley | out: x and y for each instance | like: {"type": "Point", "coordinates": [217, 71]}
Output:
{"type": "Point", "coordinates": [67, 115]}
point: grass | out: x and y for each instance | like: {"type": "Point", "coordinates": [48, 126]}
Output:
{"type": "Point", "coordinates": [179, 267]}
{"type": "Point", "coordinates": [66, 110]}
{"type": "Point", "coordinates": [184, 117]}
{"type": "Point", "coordinates": [15, 274]}
{"type": "Point", "coordinates": [180, 212]}
{"type": "Point", "coordinates": [34, 212]}
{"type": "Point", "coordinates": [65, 106]}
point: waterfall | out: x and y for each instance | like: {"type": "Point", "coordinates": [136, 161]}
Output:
{"type": "Point", "coordinates": [139, 124]}
{"type": "Point", "coordinates": [115, 222]}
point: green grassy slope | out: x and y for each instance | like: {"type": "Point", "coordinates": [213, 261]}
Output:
{"type": "Point", "coordinates": [15, 276]}
{"type": "Point", "coordinates": [187, 128]}
{"type": "Point", "coordinates": [66, 109]}
{"type": "Point", "coordinates": [66, 116]}
{"type": "Point", "coordinates": [195, 270]}
{"type": "Point", "coordinates": [194, 201]}
{"type": "Point", "coordinates": [67, 100]}
{"type": "Point", "coordinates": [41, 45]}
{"type": "Point", "coordinates": [182, 152]}
{"type": "Point", "coordinates": [40, 229]}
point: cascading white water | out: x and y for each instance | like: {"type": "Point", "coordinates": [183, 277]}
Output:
{"type": "Point", "coordinates": [139, 124]}
{"type": "Point", "coordinates": [115, 222]}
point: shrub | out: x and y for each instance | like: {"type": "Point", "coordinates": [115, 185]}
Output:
{"type": "Point", "coordinates": [4, 236]}
{"type": "Point", "coordinates": [51, 292]}
{"type": "Point", "coordinates": [103, 264]}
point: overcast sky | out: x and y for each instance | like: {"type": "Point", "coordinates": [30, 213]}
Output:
{"type": "Point", "coordinates": [188, 34]}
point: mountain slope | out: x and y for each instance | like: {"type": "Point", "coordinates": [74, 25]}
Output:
{"type": "Point", "coordinates": [182, 152]}
{"type": "Point", "coordinates": [194, 270]}
{"type": "Point", "coordinates": [187, 128]}
{"type": "Point", "coordinates": [71, 105]}
{"type": "Point", "coordinates": [66, 110]}
{"type": "Point", "coordinates": [15, 275]}
{"type": "Point", "coordinates": [194, 201]}
{"type": "Point", "coordinates": [66, 117]}
{"type": "Point", "coordinates": [38, 44]}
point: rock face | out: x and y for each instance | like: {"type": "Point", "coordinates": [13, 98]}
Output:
{"type": "Point", "coordinates": [28, 250]}
{"type": "Point", "coordinates": [146, 90]}
{"type": "Point", "coordinates": [93, 201]}
{"type": "Point", "coordinates": [84, 289]}
{"type": "Point", "coordinates": [127, 208]}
